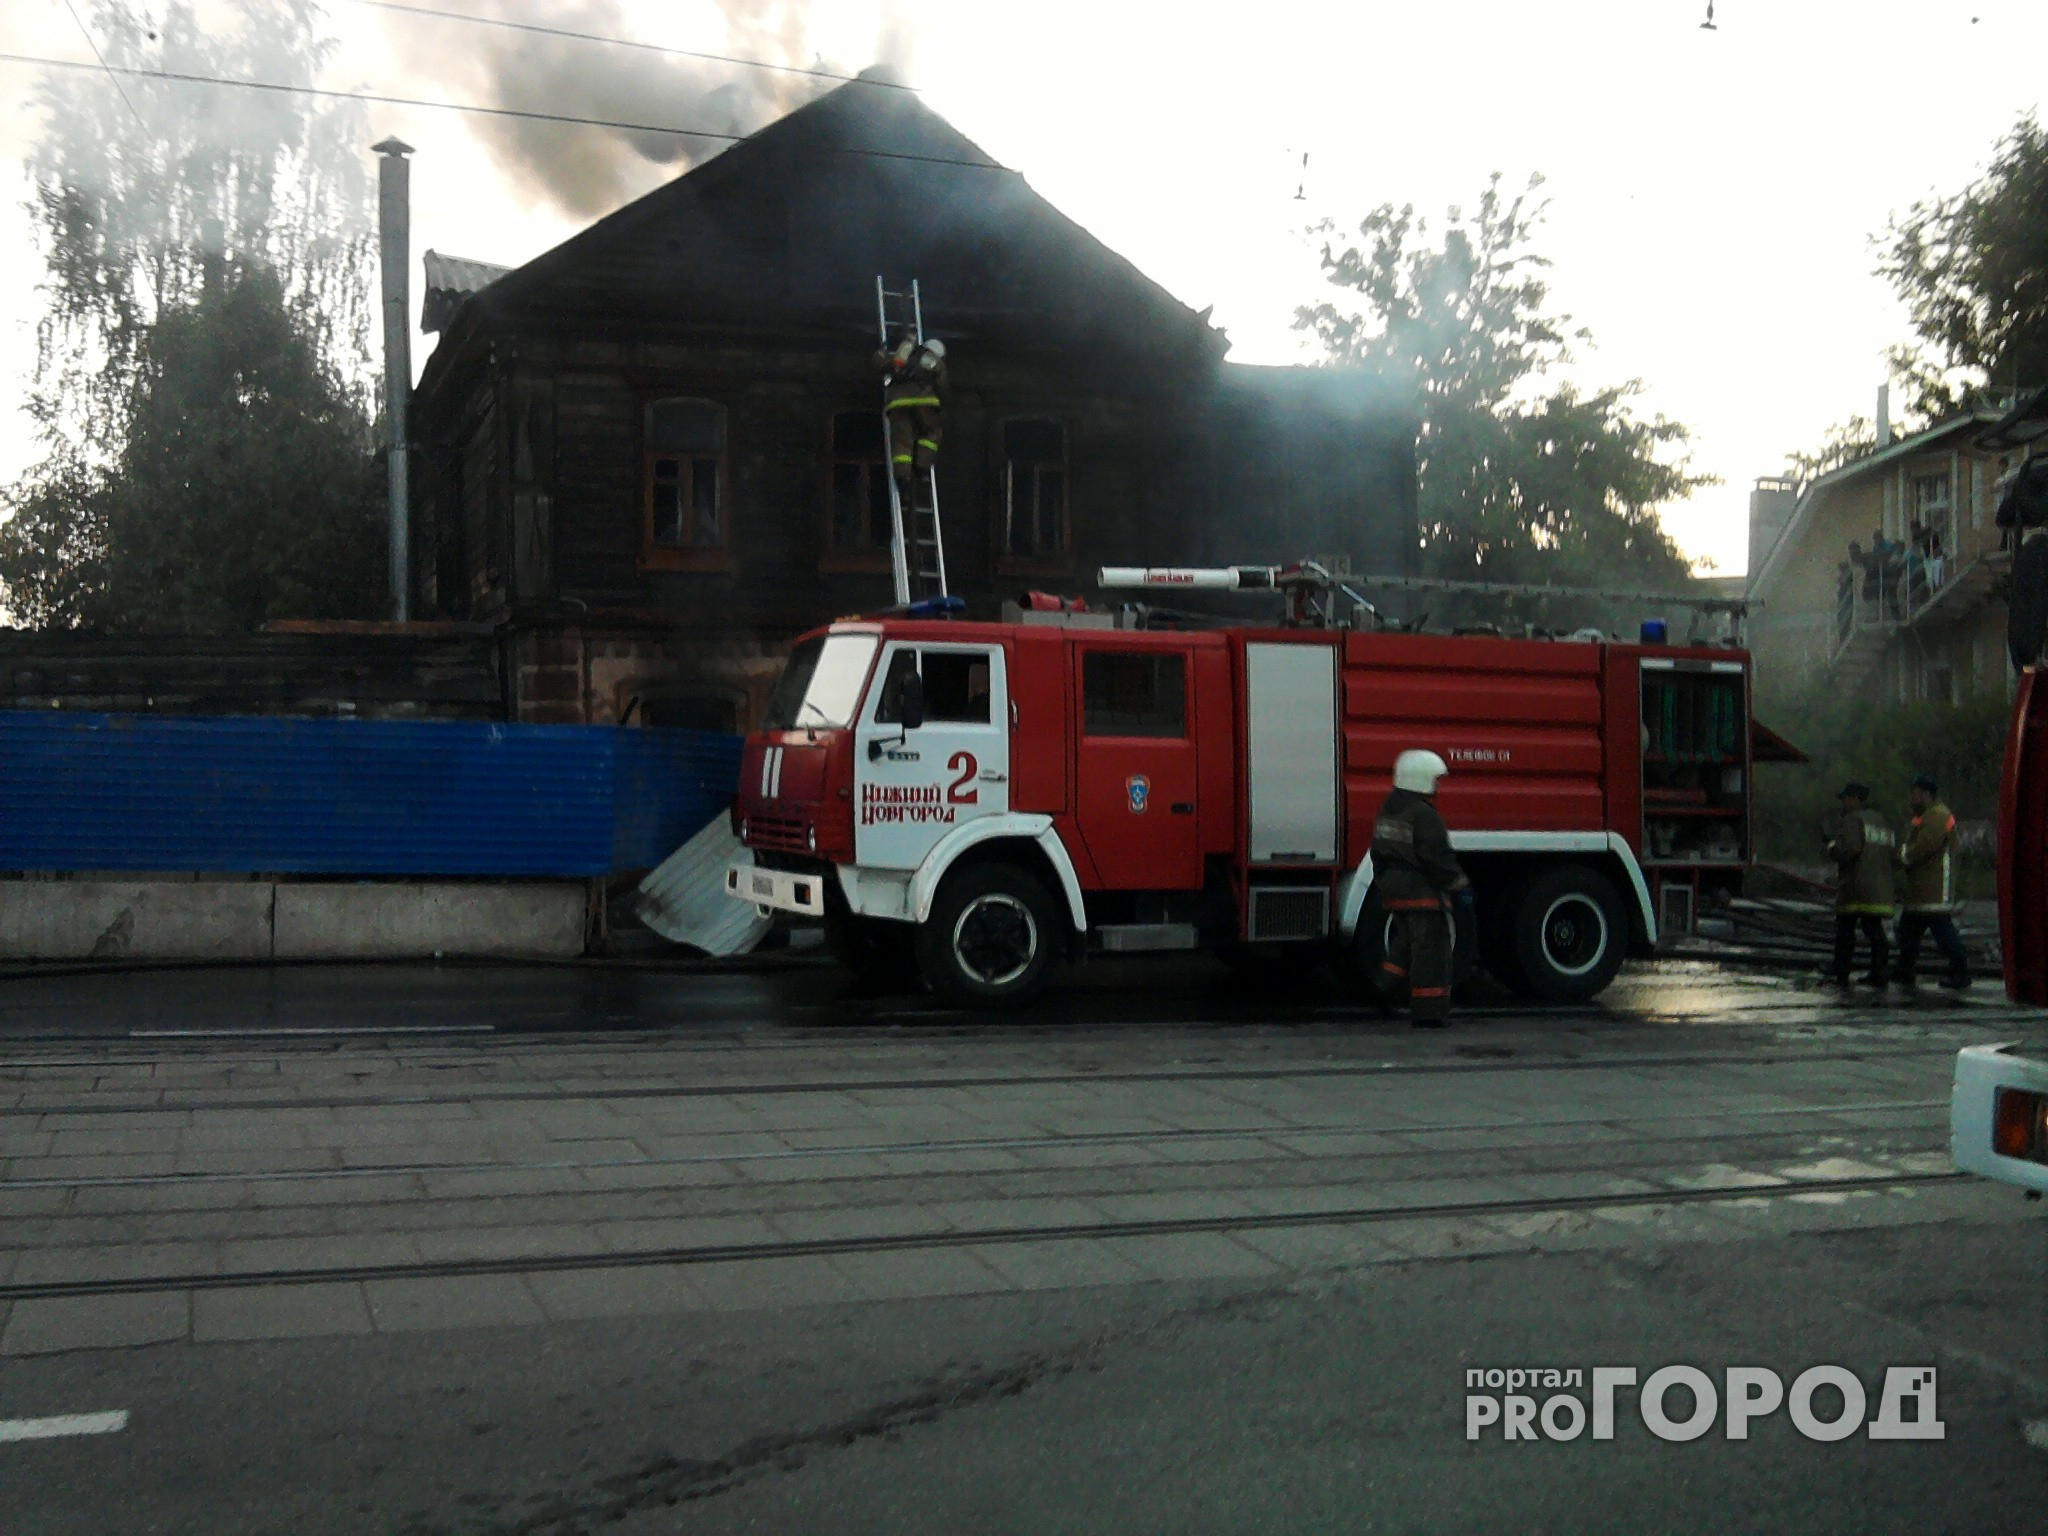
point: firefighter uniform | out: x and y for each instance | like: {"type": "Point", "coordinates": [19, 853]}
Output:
{"type": "Point", "coordinates": [1928, 857]}
{"type": "Point", "coordinates": [1863, 849]}
{"type": "Point", "coordinates": [914, 379]}
{"type": "Point", "coordinates": [1414, 873]}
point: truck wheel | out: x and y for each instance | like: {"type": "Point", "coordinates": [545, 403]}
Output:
{"type": "Point", "coordinates": [992, 938]}
{"type": "Point", "coordinates": [1357, 963]}
{"type": "Point", "coordinates": [1569, 934]}
{"type": "Point", "coordinates": [1358, 966]}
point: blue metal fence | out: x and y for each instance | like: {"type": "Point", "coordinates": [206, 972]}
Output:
{"type": "Point", "coordinates": [350, 797]}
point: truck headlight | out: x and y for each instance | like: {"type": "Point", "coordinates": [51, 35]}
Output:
{"type": "Point", "coordinates": [812, 837]}
{"type": "Point", "coordinates": [2019, 1125]}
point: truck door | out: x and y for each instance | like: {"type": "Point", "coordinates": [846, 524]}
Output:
{"type": "Point", "coordinates": [911, 786]}
{"type": "Point", "coordinates": [1134, 780]}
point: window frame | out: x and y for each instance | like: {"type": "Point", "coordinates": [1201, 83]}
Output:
{"type": "Point", "coordinates": [1945, 508]}
{"type": "Point", "coordinates": [1037, 563]}
{"type": "Point", "coordinates": [831, 556]}
{"type": "Point", "coordinates": [886, 711]}
{"type": "Point", "coordinates": [685, 557]}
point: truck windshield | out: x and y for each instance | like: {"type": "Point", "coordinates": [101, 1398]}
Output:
{"type": "Point", "coordinates": [821, 685]}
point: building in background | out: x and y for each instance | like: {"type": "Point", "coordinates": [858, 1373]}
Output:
{"type": "Point", "coordinates": [1884, 573]}
{"type": "Point", "coordinates": [652, 456]}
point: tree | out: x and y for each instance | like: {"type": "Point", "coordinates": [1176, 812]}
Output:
{"type": "Point", "coordinates": [1843, 443]}
{"type": "Point", "coordinates": [242, 491]}
{"type": "Point", "coordinates": [1519, 479]}
{"type": "Point", "coordinates": [1973, 270]}
{"type": "Point", "coordinates": [202, 390]}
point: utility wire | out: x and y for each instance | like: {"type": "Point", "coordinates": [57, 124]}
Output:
{"type": "Point", "coordinates": [86, 32]}
{"type": "Point", "coordinates": [616, 42]}
{"type": "Point", "coordinates": [521, 114]}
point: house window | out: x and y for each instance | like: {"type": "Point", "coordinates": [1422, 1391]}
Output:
{"type": "Point", "coordinates": [1035, 490]}
{"type": "Point", "coordinates": [685, 463]}
{"type": "Point", "coordinates": [1930, 498]}
{"type": "Point", "coordinates": [1133, 693]}
{"type": "Point", "coordinates": [859, 508]}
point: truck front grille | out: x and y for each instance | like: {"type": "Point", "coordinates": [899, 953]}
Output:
{"type": "Point", "coordinates": [785, 834]}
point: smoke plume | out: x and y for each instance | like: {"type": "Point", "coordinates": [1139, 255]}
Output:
{"type": "Point", "coordinates": [588, 171]}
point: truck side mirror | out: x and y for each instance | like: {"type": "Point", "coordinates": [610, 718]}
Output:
{"type": "Point", "coordinates": [910, 704]}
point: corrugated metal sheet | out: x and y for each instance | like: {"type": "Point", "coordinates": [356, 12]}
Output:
{"type": "Point", "coordinates": [684, 899]}
{"type": "Point", "coordinates": [351, 797]}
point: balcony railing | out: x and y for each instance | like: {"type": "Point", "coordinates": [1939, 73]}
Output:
{"type": "Point", "coordinates": [1887, 592]}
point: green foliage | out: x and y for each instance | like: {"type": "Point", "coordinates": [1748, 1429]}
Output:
{"type": "Point", "coordinates": [1973, 267]}
{"type": "Point", "coordinates": [1884, 746]}
{"type": "Point", "coordinates": [243, 490]}
{"type": "Point", "coordinates": [1843, 442]}
{"type": "Point", "coordinates": [1521, 478]}
{"type": "Point", "coordinates": [202, 386]}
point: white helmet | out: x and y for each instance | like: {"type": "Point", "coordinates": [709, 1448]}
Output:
{"type": "Point", "coordinates": [1418, 771]}
{"type": "Point", "coordinates": [937, 349]}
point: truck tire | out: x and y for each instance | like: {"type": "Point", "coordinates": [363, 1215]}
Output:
{"type": "Point", "coordinates": [1358, 964]}
{"type": "Point", "coordinates": [1569, 934]}
{"type": "Point", "coordinates": [993, 937]}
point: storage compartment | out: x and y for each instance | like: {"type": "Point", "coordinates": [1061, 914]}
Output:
{"type": "Point", "coordinates": [1695, 763]}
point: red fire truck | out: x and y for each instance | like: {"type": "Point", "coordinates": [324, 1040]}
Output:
{"type": "Point", "coordinates": [982, 802]}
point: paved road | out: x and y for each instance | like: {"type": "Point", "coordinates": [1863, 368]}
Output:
{"type": "Point", "coordinates": [571, 1250]}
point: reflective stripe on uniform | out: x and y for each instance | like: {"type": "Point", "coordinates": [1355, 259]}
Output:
{"type": "Point", "coordinates": [1392, 969]}
{"type": "Point", "coordinates": [1414, 904]}
{"type": "Point", "coordinates": [910, 400]}
{"type": "Point", "coordinates": [926, 442]}
{"type": "Point", "coordinates": [1429, 991]}
{"type": "Point", "coordinates": [901, 458]}
{"type": "Point", "coordinates": [1866, 909]}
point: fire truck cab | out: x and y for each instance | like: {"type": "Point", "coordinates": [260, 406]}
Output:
{"type": "Point", "coordinates": [984, 802]}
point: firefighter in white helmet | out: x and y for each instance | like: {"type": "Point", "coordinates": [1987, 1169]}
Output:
{"type": "Point", "coordinates": [1416, 879]}
{"type": "Point", "coordinates": [913, 389]}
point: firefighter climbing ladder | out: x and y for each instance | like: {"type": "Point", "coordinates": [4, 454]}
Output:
{"type": "Point", "coordinates": [918, 552]}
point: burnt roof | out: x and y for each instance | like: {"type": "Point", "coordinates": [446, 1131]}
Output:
{"type": "Point", "coordinates": [788, 229]}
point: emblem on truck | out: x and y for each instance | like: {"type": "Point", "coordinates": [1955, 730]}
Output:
{"type": "Point", "coordinates": [1139, 788]}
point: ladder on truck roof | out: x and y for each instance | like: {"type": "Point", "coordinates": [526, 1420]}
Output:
{"type": "Point", "coordinates": [917, 551]}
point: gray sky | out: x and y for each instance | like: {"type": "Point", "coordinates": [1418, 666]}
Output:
{"type": "Point", "coordinates": [1713, 194]}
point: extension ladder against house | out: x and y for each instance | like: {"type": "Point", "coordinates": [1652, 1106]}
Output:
{"type": "Point", "coordinates": [917, 550]}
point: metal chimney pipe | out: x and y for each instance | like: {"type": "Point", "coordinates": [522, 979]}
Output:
{"type": "Point", "coordinates": [1884, 415]}
{"type": "Point", "coordinates": [394, 240]}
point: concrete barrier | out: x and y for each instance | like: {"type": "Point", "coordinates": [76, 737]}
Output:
{"type": "Point", "coordinates": [412, 918]}
{"type": "Point", "coordinates": [263, 920]}
{"type": "Point", "coordinates": [135, 919]}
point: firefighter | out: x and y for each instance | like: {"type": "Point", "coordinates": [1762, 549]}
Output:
{"type": "Point", "coordinates": [1415, 875]}
{"type": "Point", "coordinates": [1862, 848]}
{"type": "Point", "coordinates": [1928, 857]}
{"type": "Point", "coordinates": [914, 380]}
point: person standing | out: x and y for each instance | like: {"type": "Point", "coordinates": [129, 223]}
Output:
{"type": "Point", "coordinates": [1416, 879]}
{"type": "Point", "coordinates": [1862, 848]}
{"type": "Point", "coordinates": [1928, 857]}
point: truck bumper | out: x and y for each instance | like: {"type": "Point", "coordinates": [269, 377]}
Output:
{"type": "Point", "coordinates": [1982, 1072]}
{"type": "Point", "coordinates": [776, 889]}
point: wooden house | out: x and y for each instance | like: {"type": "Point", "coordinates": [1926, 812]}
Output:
{"type": "Point", "coordinates": [652, 456]}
